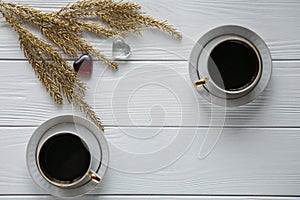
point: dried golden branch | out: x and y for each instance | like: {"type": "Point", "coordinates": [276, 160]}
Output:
{"type": "Point", "coordinates": [90, 7]}
{"type": "Point", "coordinates": [64, 29]}
{"type": "Point", "coordinates": [85, 107]}
{"type": "Point", "coordinates": [63, 33]}
{"type": "Point", "coordinates": [123, 16]}
{"type": "Point", "coordinates": [55, 73]}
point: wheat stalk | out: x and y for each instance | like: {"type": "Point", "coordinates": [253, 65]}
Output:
{"type": "Point", "coordinates": [64, 30]}
{"type": "Point", "coordinates": [123, 16]}
{"type": "Point", "coordinates": [55, 73]}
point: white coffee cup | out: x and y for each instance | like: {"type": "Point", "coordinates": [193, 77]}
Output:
{"type": "Point", "coordinates": [87, 136]}
{"type": "Point", "coordinates": [86, 174]}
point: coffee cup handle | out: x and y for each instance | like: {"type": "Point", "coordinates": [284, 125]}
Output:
{"type": "Point", "coordinates": [201, 82]}
{"type": "Point", "coordinates": [94, 176]}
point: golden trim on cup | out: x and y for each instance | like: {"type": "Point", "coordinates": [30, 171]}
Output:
{"type": "Point", "coordinates": [94, 177]}
{"type": "Point", "coordinates": [201, 82]}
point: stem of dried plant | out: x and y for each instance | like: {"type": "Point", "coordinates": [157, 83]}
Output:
{"type": "Point", "coordinates": [55, 73]}
{"type": "Point", "coordinates": [64, 29]}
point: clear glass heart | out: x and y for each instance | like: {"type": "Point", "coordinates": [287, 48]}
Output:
{"type": "Point", "coordinates": [120, 49]}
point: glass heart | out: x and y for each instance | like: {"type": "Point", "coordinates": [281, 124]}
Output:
{"type": "Point", "coordinates": [120, 49]}
{"type": "Point", "coordinates": [84, 64]}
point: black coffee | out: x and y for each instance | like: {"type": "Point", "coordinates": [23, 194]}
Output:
{"type": "Point", "coordinates": [233, 65]}
{"type": "Point", "coordinates": [64, 158]}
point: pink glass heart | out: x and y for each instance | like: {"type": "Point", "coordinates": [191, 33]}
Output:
{"type": "Point", "coordinates": [84, 65]}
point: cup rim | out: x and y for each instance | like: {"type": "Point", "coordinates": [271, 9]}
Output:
{"type": "Point", "coordinates": [95, 138]}
{"type": "Point", "coordinates": [258, 75]}
{"type": "Point", "coordinates": [197, 63]}
{"type": "Point", "coordinates": [61, 184]}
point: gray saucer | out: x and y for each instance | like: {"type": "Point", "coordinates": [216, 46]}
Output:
{"type": "Point", "coordinates": [199, 58]}
{"type": "Point", "coordinates": [94, 139]}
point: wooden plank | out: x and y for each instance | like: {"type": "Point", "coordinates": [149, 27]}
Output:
{"type": "Point", "coordinates": [275, 21]}
{"type": "Point", "coordinates": [149, 94]}
{"type": "Point", "coordinates": [169, 197]}
{"type": "Point", "coordinates": [164, 161]}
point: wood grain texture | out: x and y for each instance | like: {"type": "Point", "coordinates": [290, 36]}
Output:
{"type": "Point", "coordinates": [151, 94]}
{"type": "Point", "coordinates": [245, 161]}
{"type": "Point", "coordinates": [275, 21]}
{"type": "Point", "coordinates": [154, 197]}
{"type": "Point", "coordinates": [166, 141]}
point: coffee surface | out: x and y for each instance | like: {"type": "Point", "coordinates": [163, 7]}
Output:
{"type": "Point", "coordinates": [233, 65]}
{"type": "Point", "coordinates": [64, 158]}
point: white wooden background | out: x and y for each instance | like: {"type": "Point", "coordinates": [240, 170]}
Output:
{"type": "Point", "coordinates": [156, 124]}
